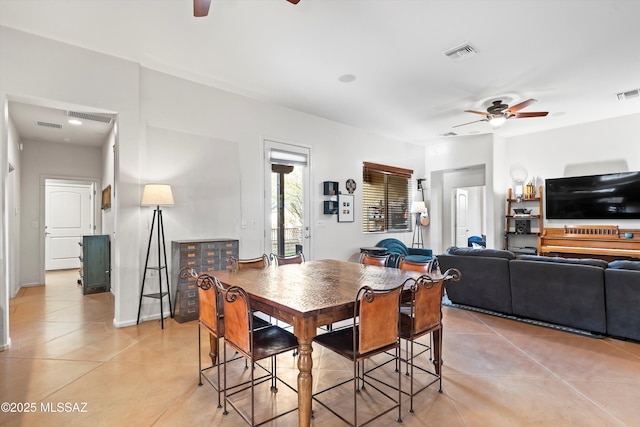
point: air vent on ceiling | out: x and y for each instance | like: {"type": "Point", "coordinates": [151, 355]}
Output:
{"type": "Point", "coordinates": [449, 134]}
{"type": "Point", "coordinates": [461, 52]}
{"type": "Point", "coordinates": [628, 95]}
{"type": "Point", "coordinates": [90, 116]}
{"type": "Point", "coordinates": [49, 125]}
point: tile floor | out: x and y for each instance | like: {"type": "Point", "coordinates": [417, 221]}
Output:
{"type": "Point", "coordinates": [497, 372]}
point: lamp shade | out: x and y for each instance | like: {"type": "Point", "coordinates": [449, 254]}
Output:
{"type": "Point", "coordinates": [156, 195]}
{"type": "Point", "coordinates": [418, 207]}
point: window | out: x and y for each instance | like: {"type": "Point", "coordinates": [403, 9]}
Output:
{"type": "Point", "coordinates": [385, 198]}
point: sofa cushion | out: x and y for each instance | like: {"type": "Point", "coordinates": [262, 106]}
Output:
{"type": "Point", "coordinates": [577, 261]}
{"type": "Point", "coordinates": [490, 253]}
{"type": "Point", "coordinates": [625, 265]}
{"type": "Point", "coordinates": [564, 293]}
{"type": "Point", "coordinates": [484, 283]}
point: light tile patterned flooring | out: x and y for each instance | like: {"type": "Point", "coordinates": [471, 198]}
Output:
{"type": "Point", "coordinates": [496, 372]}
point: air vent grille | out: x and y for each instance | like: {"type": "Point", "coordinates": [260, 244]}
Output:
{"type": "Point", "coordinates": [449, 134]}
{"type": "Point", "coordinates": [461, 52]}
{"type": "Point", "coordinates": [628, 95]}
{"type": "Point", "coordinates": [49, 125]}
{"type": "Point", "coordinates": [90, 116]}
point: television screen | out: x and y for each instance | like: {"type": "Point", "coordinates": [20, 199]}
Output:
{"type": "Point", "coordinates": [610, 196]}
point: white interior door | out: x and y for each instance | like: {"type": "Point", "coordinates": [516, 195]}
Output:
{"type": "Point", "coordinates": [68, 216]}
{"type": "Point", "coordinates": [462, 215]}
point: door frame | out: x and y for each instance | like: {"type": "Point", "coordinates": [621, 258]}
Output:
{"type": "Point", "coordinates": [308, 216]}
{"type": "Point", "coordinates": [97, 219]}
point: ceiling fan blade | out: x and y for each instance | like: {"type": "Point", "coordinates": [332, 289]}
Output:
{"type": "Point", "coordinates": [520, 106]}
{"type": "Point", "coordinates": [475, 121]}
{"type": "Point", "coordinates": [476, 112]}
{"type": "Point", "coordinates": [294, 1]}
{"type": "Point", "coordinates": [201, 7]}
{"type": "Point", "coordinates": [532, 114]}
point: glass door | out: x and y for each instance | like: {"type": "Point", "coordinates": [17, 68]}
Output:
{"type": "Point", "coordinates": [287, 222]}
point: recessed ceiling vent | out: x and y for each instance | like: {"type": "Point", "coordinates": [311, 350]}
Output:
{"type": "Point", "coordinates": [49, 125]}
{"type": "Point", "coordinates": [461, 52]}
{"type": "Point", "coordinates": [90, 116]}
{"type": "Point", "coordinates": [628, 95]}
{"type": "Point", "coordinates": [449, 134]}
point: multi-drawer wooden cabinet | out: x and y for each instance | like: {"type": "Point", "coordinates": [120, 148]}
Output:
{"type": "Point", "coordinates": [204, 256]}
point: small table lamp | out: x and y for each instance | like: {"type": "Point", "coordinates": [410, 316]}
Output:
{"type": "Point", "coordinates": [157, 195]}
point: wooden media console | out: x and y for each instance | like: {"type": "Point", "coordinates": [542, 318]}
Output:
{"type": "Point", "coordinates": [601, 241]}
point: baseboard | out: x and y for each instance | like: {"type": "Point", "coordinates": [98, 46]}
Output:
{"type": "Point", "coordinates": [575, 331]}
{"type": "Point", "coordinates": [6, 346]}
{"type": "Point", "coordinates": [133, 322]}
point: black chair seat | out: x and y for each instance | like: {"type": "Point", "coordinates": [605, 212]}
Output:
{"type": "Point", "coordinates": [341, 342]}
{"type": "Point", "coordinates": [271, 341]}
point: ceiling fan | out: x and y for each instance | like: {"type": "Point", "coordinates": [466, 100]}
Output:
{"type": "Point", "coordinates": [201, 7]}
{"type": "Point", "coordinates": [498, 113]}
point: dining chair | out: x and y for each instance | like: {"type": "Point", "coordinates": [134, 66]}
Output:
{"type": "Point", "coordinates": [210, 317]}
{"type": "Point", "coordinates": [404, 264]}
{"type": "Point", "coordinates": [284, 260]}
{"type": "Point", "coordinates": [423, 316]}
{"type": "Point", "coordinates": [371, 259]}
{"type": "Point", "coordinates": [252, 344]}
{"type": "Point", "coordinates": [376, 332]}
{"type": "Point", "coordinates": [239, 264]}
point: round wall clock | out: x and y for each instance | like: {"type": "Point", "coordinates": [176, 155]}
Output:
{"type": "Point", "coordinates": [351, 186]}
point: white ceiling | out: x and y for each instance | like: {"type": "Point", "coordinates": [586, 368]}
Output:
{"type": "Point", "coordinates": [573, 56]}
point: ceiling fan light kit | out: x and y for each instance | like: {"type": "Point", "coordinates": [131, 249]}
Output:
{"type": "Point", "coordinates": [498, 113]}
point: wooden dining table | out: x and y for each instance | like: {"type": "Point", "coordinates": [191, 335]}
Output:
{"type": "Point", "coordinates": [308, 296]}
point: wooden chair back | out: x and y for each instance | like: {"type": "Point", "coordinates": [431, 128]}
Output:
{"type": "Point", "coordinates": [370, 259]}
{"type": "Point", "coordinates": [403, 264]}
{"type": "Point", "coordinates": [427, 304]}
{"type": "Point", "coordinates": [378, 312]}
{"type": "Point", "coordinates": [239, 264]}
{"type": "Point", "coordinates": [237, 318]}
{"type": "Point", "coordinates": [210, 309]}
{"type": "Point", "coordinates": [284, 260]}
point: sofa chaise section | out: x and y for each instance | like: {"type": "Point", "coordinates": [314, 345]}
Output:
{"type": "Point", "coordinates": [563, 291]}
{"type": "Point", "coordinates": [622, 290]}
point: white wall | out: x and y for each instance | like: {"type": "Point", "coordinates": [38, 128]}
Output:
{"type": "Point", "coordinates": [598, 147]}
{"type": "Point", "coordinates": [13, 208]}
{"type": "Point", "coordinates": [35, 70]}
{"type": "Point", "coordinates": [611, 145]}
{"type": "Point", "coordinates": [457, 162]}
{"type": "Point", "coordinates": [45, 159]}
{"type": "Point", "coordinates": [337, 153]}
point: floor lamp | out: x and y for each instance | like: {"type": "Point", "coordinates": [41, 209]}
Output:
{"type": "Point", "coordinates": [157, 195]}
{"type": "Point", "coordinates": [418, 208]}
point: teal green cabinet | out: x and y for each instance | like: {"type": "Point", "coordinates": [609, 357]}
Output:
{"type": "Point", "coordinates": [96, 263]}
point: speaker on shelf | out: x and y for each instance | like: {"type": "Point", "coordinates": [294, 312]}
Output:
{"type": "Point", "coordinates": [523, 226]}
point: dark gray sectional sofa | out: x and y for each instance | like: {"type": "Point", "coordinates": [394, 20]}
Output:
{"type": "Point", "coordinates": [586, 294]}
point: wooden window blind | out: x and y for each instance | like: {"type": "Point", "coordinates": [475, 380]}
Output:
{"type": "Point", "coordinates": [385, 198]}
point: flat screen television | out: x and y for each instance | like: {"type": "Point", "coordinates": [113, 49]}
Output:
{"type": "Point", "coordinates": [610, 196]}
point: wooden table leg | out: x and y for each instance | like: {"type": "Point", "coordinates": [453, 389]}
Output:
{"type": "Point", "coordinates": [305, 330]}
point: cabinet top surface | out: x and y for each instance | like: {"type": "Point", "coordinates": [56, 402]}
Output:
{"type": "Point", "coordinates": [204, 240]}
